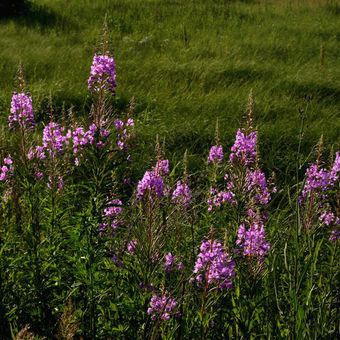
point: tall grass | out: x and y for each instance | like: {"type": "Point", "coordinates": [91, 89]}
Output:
{"type": "Point", "coordinates": [199, 246]}
{"type": "Point", "coordinates": [187, 63]}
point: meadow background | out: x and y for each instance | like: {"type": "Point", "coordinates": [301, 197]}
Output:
{"type": "Point", "coordinates": [185, 64]}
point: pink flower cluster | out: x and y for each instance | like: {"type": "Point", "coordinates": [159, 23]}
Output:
{"type": "Point", "coordinates": [103, 74]}
{"type": "Point", "coordinates": [244, 148]}
{"type": "Point", "coordinates": [317, 184]}
{"type": "Point", "coordinates": [256, 183]}
{"type": "Point", "coordinates": [319, 179]}
{"type": "Point", "coordinates": [215, 154]}
{"type": "Point", "coordinates": [329, 219]}
{"type": "Point", "coordinates": [162, 307]}
{"type": "Point", "coordinates": [220, 197]}
{"type": "Point", "coordinates": [214, 265]}
{"type": "Point", "coordinates": [21, 111]}
{"type": "Point", "coordinates": [253, 240]}
{"type": "Point", "coordinates": [53, 139]}
{"type": "Point", "coordinates": [152, 181]}
{"type": "Point", "coordinates": [81, 138]}
{"type": "Point", "coordinates": [6, 170]}
{"type": "Point", "coordinates": [181, 195]}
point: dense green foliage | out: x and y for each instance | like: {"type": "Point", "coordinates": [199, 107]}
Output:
{"type": "Point", "coordinates": [187, 64]}
{"type": "Point", "coordinates": [10, 8]}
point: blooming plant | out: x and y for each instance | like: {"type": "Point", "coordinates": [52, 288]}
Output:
{"type": "Point", "coordinates": [162, 307]}
{"type": "Point", "coordinates": [214, 266]}
{"type": "Point", "coordinates": [157, 254]}
{"type": "Point", "coordinates": [21, 112]}
{"type": "Point", "coordinates": [103, 74]}
{"type": "Point", "coordinates": [316, 196]}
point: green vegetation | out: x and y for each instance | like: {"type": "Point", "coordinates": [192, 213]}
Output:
{"type": "Point", "coordinates": [93, 246]}
{"type": "Point", "coordinates": [187, 63]}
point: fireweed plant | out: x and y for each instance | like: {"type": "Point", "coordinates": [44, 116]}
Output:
{"type": "Point", "coordinates": [236, 246]}
{"type": "Point", "coordinates": [159, 257]}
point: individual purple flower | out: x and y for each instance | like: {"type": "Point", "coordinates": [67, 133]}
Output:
{"type": "Point", "coordinates": [115, 258]}
{"type": "Point", "coordinates": [327, 217]}
{"type": "Point", "coordinates": [131, 247]}
{"type": "Point", "coordinates": [244, 148]}
{"type": "Point", "coordinates": [40, 152]}
{"type": "Point", "coordinates": [181, 195]}
{"type": "Point", "coordinates": [215, 154]}
{"type": "Point", "coordinates": [214, 265]}
{"type": "Point", "coordinates": [8, 160]}
{"type": "Point", "coordinates": [130, 122]}
{"type": "Point", "coordinates": [7, 195]}
{"type": "Point", "coordinates": [253, 240]}
{"type": "Point", "coordinates": [335, 235]}
{"type": "Point", "coordinates": [103, 74]}
{"type": "Point", "coordinates": [21, 112]}
{"type": "Point", "coordinates": [170, 263]}
{"type": "Point", "coordinates": [104, 133]}
{"type": "Point", "coordinates": [30, 154]}
{"type": "Point", "coordinates": [100, 144]}
{"type": "Point", "coordinates": [162, 307]}
{"type": "Point", "coordinates": [120, 144]}
{"type": "Point", "coordinates": [119, 124]}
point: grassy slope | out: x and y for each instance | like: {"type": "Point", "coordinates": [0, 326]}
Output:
{"type": "Point", "coordinates": [187, 63]}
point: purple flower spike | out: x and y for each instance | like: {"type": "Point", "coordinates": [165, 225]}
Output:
{"type": "Point", "coordinates": [103, 74]}
{"type": "Point", "coordinates": [152, 181]}
{"type": "Point", "coordinates": [244, 149]}
{"type": "Point", "coordinates": [215, 154]}
{"type": "Point", "coordinates": [253, 241]}
{"type": "Point", "coordinates": [181, 194]}
{"type": "Point", "coordinates": [214, 263]}
{"type": "Point", "coordinates": [21, 112]}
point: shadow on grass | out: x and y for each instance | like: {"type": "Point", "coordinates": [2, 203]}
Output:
{"type": "Point", "coordinates": [315, 90]}
{"type": "Point", "coordinates": [42, 18]}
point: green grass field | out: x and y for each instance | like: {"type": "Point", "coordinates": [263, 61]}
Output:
{"type": "Point", "coordinates": [187, 63]}
{"type": "Point", "coordinates": [95, 247]}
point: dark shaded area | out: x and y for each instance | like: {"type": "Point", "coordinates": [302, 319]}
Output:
{"type": "Point", "coordinates": [10, 8]}
{"type": "Point", "coordinates": [301, 90]}
{"type": "Point", "coordinates": [35, 16]}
